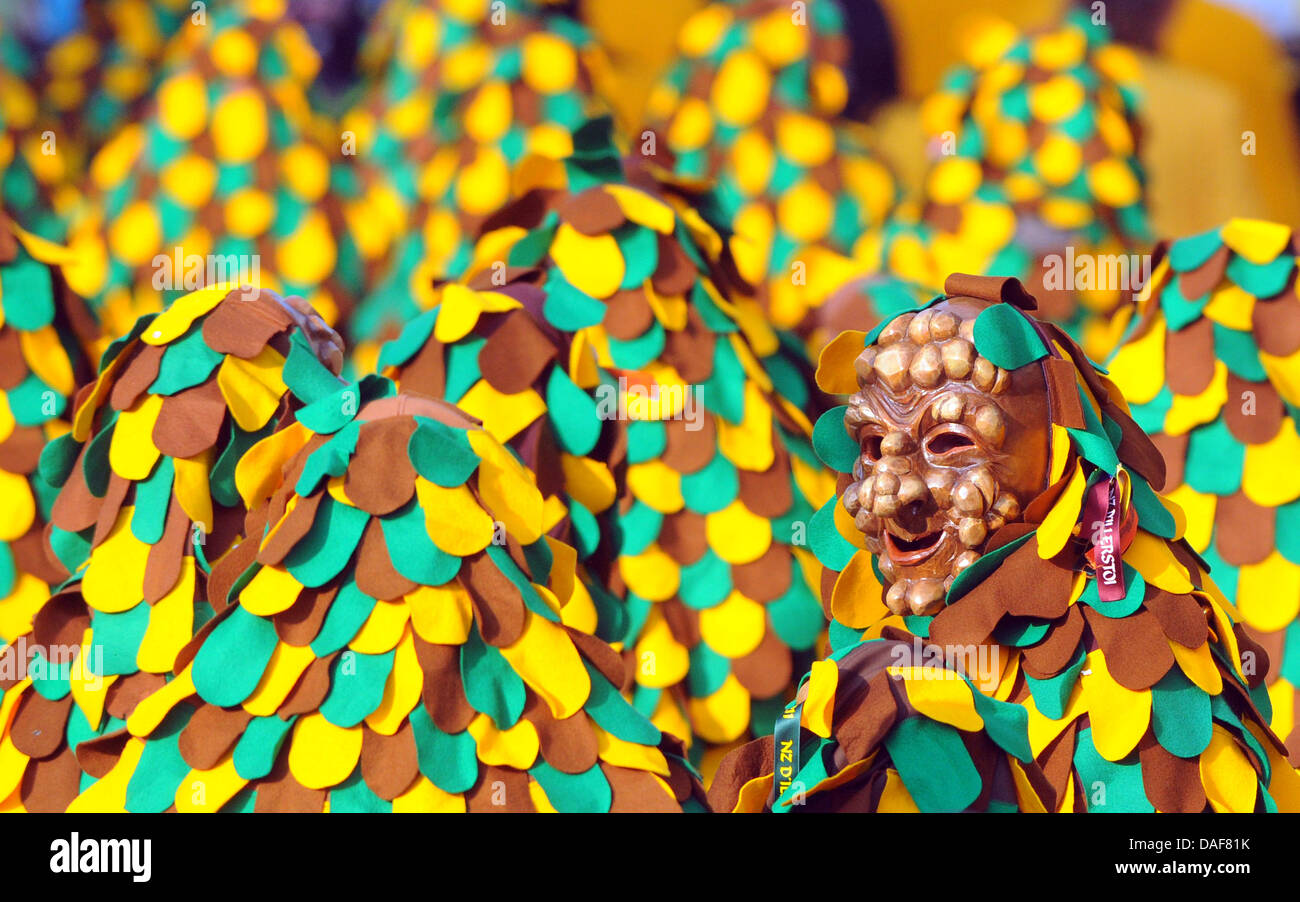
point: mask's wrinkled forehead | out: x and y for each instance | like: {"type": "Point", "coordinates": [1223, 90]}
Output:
{"type": "Point", "coordinates": [924, 349]}
{"type": "Point", "coordinates": [924, 367]}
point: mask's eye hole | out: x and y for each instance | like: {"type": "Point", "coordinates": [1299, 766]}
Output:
{"type": "Point", "coordinates": [949, 441]}
{"type": "Point", "coordinates": [871, 446]}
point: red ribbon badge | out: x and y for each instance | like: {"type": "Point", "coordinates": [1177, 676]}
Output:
{"type": "Point", "coordinates": [1109, 532]}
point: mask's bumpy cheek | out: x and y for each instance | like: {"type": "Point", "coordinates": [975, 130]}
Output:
{"type": "Point", "coordinates": [979, 506]}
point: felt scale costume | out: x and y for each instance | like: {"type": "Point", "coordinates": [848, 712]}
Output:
{"type": "Point", "coordinates": [756, 104]}
{"type": "Point", "coordinates": [220, 180]}
{"type": "Point", "coordinates": [1034, 144]}
{"type": "Point", "coordinates": [372, 620]}
{"type": "Point", "coordinates": [147, 501]}
{"type": "Point", "coordinates": [466, 690]}
{"type": "Point", "coordinates": [48, 339]}
{"type": "Point", "coordinates": [1212, 369]}
{"type": "Point", "coordinates": [470, 89]}
{"type": "Point", "coordinates": [604, 336]}
{"type": "Point", "coordinates": [1031, 632]}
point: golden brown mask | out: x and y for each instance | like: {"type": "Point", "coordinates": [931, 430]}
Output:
{"type": "Point", "coordinates": [952, 449]}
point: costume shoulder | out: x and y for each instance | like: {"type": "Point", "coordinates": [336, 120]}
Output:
{"type": "Point", "coordinates": [1211, 366]}
{"type": "Point", "coordinates": [48, 340]}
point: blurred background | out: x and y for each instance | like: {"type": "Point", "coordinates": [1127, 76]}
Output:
{"type": "Point", "coordinates": [1211, 70]}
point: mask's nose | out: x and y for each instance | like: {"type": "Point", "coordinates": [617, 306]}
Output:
{"type": "Point", "coordinates": [896, 489]}
{"type": "Point", "coordinates": [914, 518]}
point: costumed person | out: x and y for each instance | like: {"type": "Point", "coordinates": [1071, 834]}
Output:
{"type": "Point", "coordinates": [469, 90]}
{"type": "Point", "coordinates": [1208, 69]}
{"type": "Point", "coordinates": [1035, 173]}
{"type": "Point", "coordinates": [221, 180]}
{"type": "Point", "coordinates": [230, 642]}
{"type": "Point", "coordinates": [759, 104]}
{"type": "Point", "coordinates": [604, 335]}
{"type": "Point", "coordinates": [1212, 369]}
{"type": "Point", "coordinates": [1019, 622]}
{"type": "Point", "coordinates": [48, 339]}
{"type": "Point", "coordinates": [148, 501]}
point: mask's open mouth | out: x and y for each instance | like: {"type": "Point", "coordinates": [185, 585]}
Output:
{"type": "Point", "coordinates": [910, 552]}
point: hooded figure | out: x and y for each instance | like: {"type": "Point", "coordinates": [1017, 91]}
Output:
{"type": "Point", "coordinates": [393, 637]}
{"type": "Point", "coordinates": [604, 335]}
{"type": "Point", "coordinates": [97, 78]}
{"type": "Point", "coordinates": [145, 499]}
{"type": "Point", "coordinates": [468, 91]}
{"type": "Point", "coordinates": [1019, 624]}
{"type": "Point", "coordinates": [1034, 171]}
{"type": "Point", "coordinates": [223, 177]}
{"type": "Point", "coordinates": [294, 593]}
